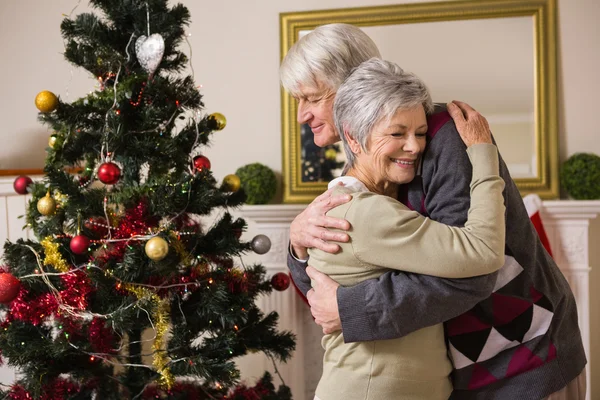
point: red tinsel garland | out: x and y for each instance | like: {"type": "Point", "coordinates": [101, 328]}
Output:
{"type": "Point", "coordinates": [59, 389]}
{"type": "Point", "coordinates": [135, 222]}
{"type": "Point", "coordinates": [102, 338]}
{"type": "Point", "coordinates": [75, 293]}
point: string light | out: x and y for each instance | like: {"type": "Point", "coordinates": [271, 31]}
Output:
{"type": "Point", "coordinates": [139, 97]}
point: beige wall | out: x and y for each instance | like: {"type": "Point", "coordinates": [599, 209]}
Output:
{"type": "Point", "coordinates": [236, 57]}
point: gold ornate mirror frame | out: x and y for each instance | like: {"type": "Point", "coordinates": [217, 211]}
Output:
{"type": "Point", "coordinates": [545, 183]}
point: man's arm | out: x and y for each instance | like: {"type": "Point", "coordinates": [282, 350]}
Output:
{"type": "Point", "coordinates": [298, 270]}
{"type": "Point", "coordinates": [309, 229]}
{"type": "Point", "coordinates": [397, 304]}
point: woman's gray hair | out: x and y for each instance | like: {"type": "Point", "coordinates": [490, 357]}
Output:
{"type": "Point", "coordinates": [325, 56]}
{"type": "Point", "coordinates": [374, 91]}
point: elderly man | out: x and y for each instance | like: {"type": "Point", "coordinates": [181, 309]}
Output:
{"type": "Point", "coordinates": [511, 334]}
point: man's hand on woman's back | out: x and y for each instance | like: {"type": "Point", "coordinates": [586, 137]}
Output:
{"type": "Point", "coordinates": [310, 229]}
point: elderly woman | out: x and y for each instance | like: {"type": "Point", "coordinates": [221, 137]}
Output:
{"type": "Point", "coordinates": [381, 111]}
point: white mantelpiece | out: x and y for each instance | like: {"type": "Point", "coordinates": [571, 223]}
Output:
{"type": "Point", "coordinates": [567, 226]}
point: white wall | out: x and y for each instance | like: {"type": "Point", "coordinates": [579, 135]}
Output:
{"type": "Point", "coordinates": [236, 58]}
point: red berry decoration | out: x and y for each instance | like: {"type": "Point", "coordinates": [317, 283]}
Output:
{"type": "Point", "coordinates": [79, 244]}
{"type": "Point", "coordinates": [109, 173]}
{"type": "Point", "coordinates": [280, 281]}
{"type": "Point", "coordinates": [21, 184]}
{"type": "Point", "coordinates": [9, 287]}
{"type": "Point", "coordinates": [201, 163]}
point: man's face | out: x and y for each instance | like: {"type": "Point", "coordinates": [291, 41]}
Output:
{"type": "Point", "coordinates": [315, 108]}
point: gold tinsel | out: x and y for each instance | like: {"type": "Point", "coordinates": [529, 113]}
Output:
{"type": "Point", "coordinates": [162, 312]}
{"type": "Point", "coordinates": [161, 316]}
{"type": "Point", "coordinates": [184, 256]}
{"type": "Point", "coordinates": [53, 257]}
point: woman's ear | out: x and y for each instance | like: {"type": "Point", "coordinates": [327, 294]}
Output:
{"type": "Point", "coordinates": [353, 143]}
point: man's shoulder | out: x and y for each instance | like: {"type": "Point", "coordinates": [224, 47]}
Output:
{"type": "Point", "coordinates": [439, 120]}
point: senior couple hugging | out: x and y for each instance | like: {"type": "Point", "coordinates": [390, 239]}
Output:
{"type": "Point", "coordinates": [420, 262]}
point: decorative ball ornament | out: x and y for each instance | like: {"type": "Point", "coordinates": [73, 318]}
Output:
{"type": "Point", "coordinates": [9, 287]}
{"type": "Point", "coordinates": [201, 163]}
{"type": "Point", "coordinates": [231, 183]}
{"type": "Point", "coordinates": [46, 205]}
{"type": "Point", "coordinates": [280, 281]}
{"type": "Point", "coordinates": [217, 121]}
{"type": "Point", "coordinates": [79, 244]}
{"type": "Point", "coordinates": [46, 101]}
{"type": "Point", "coordinates": [149, 51]}
{"type": "Point", "coordinates": [21, 184]}
{"type": "Point", "coordinates": [156, 248]}
{"type": "Point", "coordinates": [52, 141]}
{"type": "Point", "coordinates": [109, 173]}
{"type": "Point", "coordinates": [261, 244]}
{"type": "Point", "coordinates": [580, 176]}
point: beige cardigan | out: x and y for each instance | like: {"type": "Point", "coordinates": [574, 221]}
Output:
{"type": "Point", "coordinates": [385, 234]}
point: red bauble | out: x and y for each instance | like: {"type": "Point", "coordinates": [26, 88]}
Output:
{"type": "Point", "coordinates": [9, 287]}
{"type": "Point", "coordinates": [21, 184]}
{"type": "Point", "coordinates": [109, 173]}
{"type": "Point", "coordinates": [79, 244]}
{"type": "Point", "coordinates": [280, 281]}
{"type": "Point", "coordinates": [201, 163]}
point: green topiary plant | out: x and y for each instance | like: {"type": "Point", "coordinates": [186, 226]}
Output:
{"type": "Point", "coordinates": [580, 176]}
{"type": "Point", "coordinates": [259, 183]}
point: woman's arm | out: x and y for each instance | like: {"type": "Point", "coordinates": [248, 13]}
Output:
{"type": "Point", "coordinates": [386, 234]}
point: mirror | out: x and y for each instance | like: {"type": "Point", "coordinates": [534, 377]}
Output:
{"type": "Point", "coordinates": [499, 56]}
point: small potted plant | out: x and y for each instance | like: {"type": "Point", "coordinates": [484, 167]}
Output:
{"type": "Point", "coordinates": [258, 181]}
{"type": "Point", "coordinates": [580, 176]}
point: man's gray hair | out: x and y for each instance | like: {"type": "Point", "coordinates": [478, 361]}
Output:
{"type": "Point", "coordinates": [374, 91]}
{"type": "Point", "coordinates": [325, 56]}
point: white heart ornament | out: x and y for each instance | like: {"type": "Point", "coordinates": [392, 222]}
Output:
{"type": "Point", "coordinates": [149, 51]}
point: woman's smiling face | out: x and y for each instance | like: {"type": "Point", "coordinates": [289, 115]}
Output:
{"type": "Point", "coordinates": [394, 148]}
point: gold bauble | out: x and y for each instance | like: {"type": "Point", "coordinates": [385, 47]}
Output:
{"type": "Point", "coordinates": [46, 205]}
{"type": "Point", "coordinates": [46, 101]}
{"type": "Point", "coordinates": [52, 141]}
{"type": "Point", "coordinates": [231, 183]}
{"type": "Point", "coordinates": [330, 154]}
{"type": "Point", "coordinates": [60, 198]}
{"type": "Point", "coordinates": [217, 120]}
{"type": "Point", "coordinates": [156, 248]}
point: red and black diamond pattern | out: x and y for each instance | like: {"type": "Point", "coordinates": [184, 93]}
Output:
{"type": "Point", "coordinates": [510, 326]}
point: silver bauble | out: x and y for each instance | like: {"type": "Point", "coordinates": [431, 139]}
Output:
{"type": "Point", "coordinates": [261, 244]}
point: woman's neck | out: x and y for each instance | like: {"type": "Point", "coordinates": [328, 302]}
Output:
{"type": "Point", "coordinates": [383, 187]}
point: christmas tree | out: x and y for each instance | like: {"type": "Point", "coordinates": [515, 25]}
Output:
{"type": "Point", "coordinates": [126, 293]}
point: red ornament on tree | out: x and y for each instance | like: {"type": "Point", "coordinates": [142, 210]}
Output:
{"type": "Point", "coordinates": [280, 281]}
{"type": "Point", "coordinates": [79, 244]}
{"type": "Point", "coordinates": [9, 287]}
{"type": "Point", "coordinates": [201, 163]}
{"type": "Point", "coordinates": [109, 173]}
{"type": "Point", "coordinates": [21, 184]}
